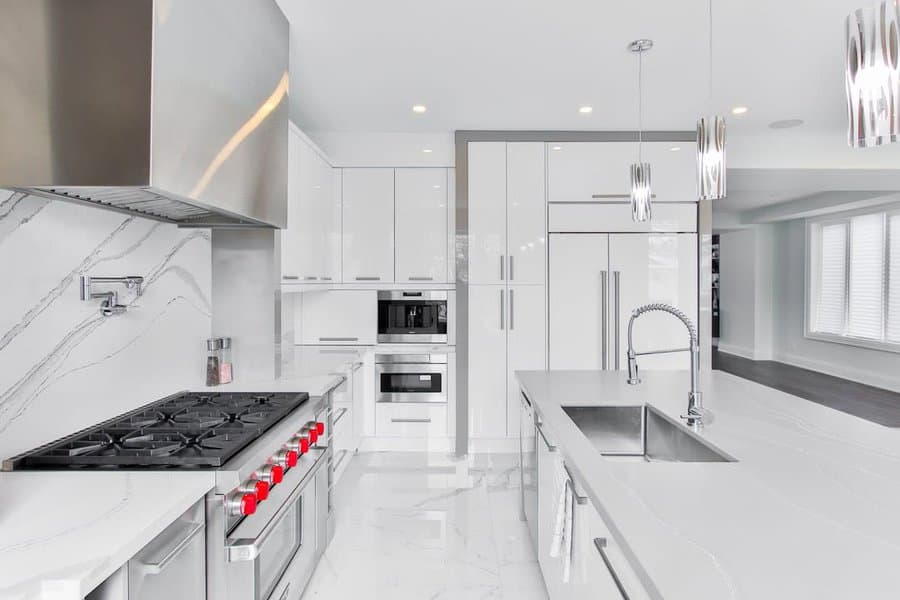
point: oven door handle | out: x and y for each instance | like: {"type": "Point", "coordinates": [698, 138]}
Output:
{"type": "Point", "coordinates": [248, 549]}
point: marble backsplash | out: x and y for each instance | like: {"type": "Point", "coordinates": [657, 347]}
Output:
{"type": "Point", "coordinates": [64, 366]}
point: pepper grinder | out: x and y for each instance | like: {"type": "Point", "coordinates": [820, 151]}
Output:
{"type": "Point", "coordinates": [225, 366]}
{"type": "Point", "coordinates": [213, 360]}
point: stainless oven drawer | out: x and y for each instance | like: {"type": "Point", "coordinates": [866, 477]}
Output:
{"type": "Point", "coordinates": [409, 382]}
{"type": "Point", "coordinates": [272, 560]}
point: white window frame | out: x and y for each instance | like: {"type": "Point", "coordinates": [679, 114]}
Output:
{"type": "Point", "coordinates": [809, 313]}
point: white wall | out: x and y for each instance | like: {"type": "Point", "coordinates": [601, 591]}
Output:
{"type": "Point", "coordinates": [872, 367]}
{"type": "Point", "coordinates": [63, 366]}
{"type": "Point", "coordinates": [745, 307]}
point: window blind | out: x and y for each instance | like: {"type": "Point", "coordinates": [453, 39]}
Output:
{"type": "Point", "coordinates": [831, 294]}
{"type": "Point", "coordinates": [892, 330]}
{"type": "Point", "coordinates": [866, 314]}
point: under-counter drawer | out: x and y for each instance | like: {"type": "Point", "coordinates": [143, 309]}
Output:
{"type": "Point", "coordinates": [410, 420]}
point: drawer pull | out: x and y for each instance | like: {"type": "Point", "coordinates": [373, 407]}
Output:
{"type": "Point", "coordinates": [338, 339]}
{"type": "Point", "coordinates": [421, 278]}
{"type": "Point", "coordinates": [340, 415]}
{"type": "Point", "coordinates": [581, 500]}
{"type": "Point", "coordinates": [399, 420]}
{"type": "Point", "coordinates": [600, 544]}
{"type": "Point", "coordinates": [290, 277]}
{"type": "Point", "coordinates": [366, 278]}
{"type": "Point", "coordinates": [310, 278]}
{"type": "Point", "coordinates": [550, 446]}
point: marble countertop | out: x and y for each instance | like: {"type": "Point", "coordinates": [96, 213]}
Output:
{"type": "Point", "coordinates": [810, 510]}
{"type": "Point", "coordinates": [63, 533]}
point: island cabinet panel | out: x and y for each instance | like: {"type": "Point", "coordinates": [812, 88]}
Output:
{"type": "Point", "coordinates": [550, 482]}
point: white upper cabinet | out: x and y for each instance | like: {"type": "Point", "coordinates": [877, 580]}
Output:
{"type": "Point", "coordinates": [487, 212]}
{"type": "Point", "coordinates": [368, 215]}
{"type": "Point", "coordinates": [673, 173]}
{"type": "Point", "coordinates": [507, 213]}
{"type": "Point", "coordinates": [526, 213]}
{"type": "Point", "coordinates": [420, 222]}
{"type": "Point", "coordinates": [578, 171]}
{"type": "Point", "coordinates": [600, 171]}
{"type": "Point", "coordinates": [311, 244]}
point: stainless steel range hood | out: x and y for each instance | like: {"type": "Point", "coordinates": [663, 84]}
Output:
{"type": "Point", "coordinates": [174, 110]}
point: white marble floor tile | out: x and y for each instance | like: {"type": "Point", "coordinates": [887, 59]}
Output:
{"type": "Point", "coordinates": [418, 526]}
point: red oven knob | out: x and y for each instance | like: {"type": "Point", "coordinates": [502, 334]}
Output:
{"type": "Point", "coordinates": [271, 474]}
{"type": "Point", "coordinates": [262, 490]}
{"type": "Point", "coordinates": [291, 458]}
{"type": "Point", "coordinates": [241, 504]}
{"type": "Point", "coordinates": [320, 428]}
{"type": "Point", "coordinates": [277, 473]}
{"type": "Point", "coordinates": [313, 435]}
{"type": "Point", "coordinates": [304, 445]}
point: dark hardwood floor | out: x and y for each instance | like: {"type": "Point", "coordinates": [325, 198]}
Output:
{"type": "Point", "coordinates": [867, 402]}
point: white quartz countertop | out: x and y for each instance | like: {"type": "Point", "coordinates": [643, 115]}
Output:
{"type": "Point", "coordinates": [810, 510]}
{"type": "Point", "coordinates": [63, 533]}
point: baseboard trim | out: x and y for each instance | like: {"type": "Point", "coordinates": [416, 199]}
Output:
{"type": "Point", "coordinates": [839, 370]}
{"type": "Point", "coordinates": [736, 350]}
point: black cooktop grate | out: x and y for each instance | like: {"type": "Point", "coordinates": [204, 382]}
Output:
{"type": "Point", "coordinates": [188, 430]}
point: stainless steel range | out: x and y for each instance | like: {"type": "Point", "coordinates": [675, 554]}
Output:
{"type": "Point", "coordinates": [269, 517]}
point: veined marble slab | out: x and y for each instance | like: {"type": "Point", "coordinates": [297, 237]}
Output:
{"type": "Point", "coordinates": [64, 366]}
{"type": "Point", "coordinates": [811, 510]}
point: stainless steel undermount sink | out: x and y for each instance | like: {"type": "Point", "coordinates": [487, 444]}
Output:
{"type": "Point", "coordinates": [642, 433]}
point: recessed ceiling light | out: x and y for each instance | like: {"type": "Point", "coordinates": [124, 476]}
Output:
{"type": "Point", "coordinates": [786, 124]}
{"type": "Point", "coordinates": [557, 147]}
{"type": "Point", "coordinates": [586, 110]}
{"type": "Point", "coordinates": [739, 110]}
{"type": "Point", "coordinates": [419, 108]}
{"type": "Point", "coordinates": [437, 187]}
{"type": "Point", "coordinates": [427, 150]}
{"type": "Point", "coordinates": [675, 149]}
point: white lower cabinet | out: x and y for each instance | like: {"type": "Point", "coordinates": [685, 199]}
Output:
{"type": "Point", "coordinates": [411, 420]}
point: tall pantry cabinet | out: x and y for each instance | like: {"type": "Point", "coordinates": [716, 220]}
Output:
{"type": "Point", "coordinates": [507, 279]}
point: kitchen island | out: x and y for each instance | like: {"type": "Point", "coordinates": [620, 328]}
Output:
{"type": "Point", "coordinates": [807, 508]}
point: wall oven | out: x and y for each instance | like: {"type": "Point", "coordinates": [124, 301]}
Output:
{"type": "Point", "coordinates": [419, 317]}
{"type": "Point", "coordinates": [411, 378]}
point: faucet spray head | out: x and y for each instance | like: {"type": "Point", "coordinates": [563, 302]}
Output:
{"type": "Point", "coordinates": [633, 378]}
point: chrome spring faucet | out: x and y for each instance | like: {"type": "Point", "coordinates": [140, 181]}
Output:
{"type": "Point", "coordinates": [695, 411]}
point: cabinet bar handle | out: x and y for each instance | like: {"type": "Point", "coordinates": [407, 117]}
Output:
{"type": "Point", "coordinates": [502, 313]}
{"type": "Point", "coordinates": [616, 299]}
{"type": "Point", "coordinates": [512, 298]}
{"type": "Point", "coordinates": [338, 339]}
{"type": "Point", "coordinates": [367, 278]}
{"type": "Point", "coordinates": [309, 278]}
{"type": "Point", "coordinates": [395, 420]}
{"type": "Point", "coordinates": [570, 481]}
{"type": "Point", "coordinates": [421, 278]}
{"type": "Point", "coordinates": [158, 567]}
{"type": "Point", "coordinates": [502, 267]}
{"type": "Point", "coordinates": [600, 544]}
{"type": "Point", "coordinates": [325, 278]}
{"type": "Point", "coordinates": [550, 446]}
{"type": "Point", "coordinates": [291, 277]}
{"type": "Point", "coordinates": [604, 317]}
{"type": "Point", "coordinates": [511, 257]}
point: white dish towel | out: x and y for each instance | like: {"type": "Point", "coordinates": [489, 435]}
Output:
{"type": "Point", "coordinates": [561, 544]}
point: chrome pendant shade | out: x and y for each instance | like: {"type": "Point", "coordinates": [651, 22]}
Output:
{"type": "Point", "coordinates": [872, 75]}
{"type": "Point", "coordinates": [711, 158]}
{"type": "Point", "coordinates": [640, 171]}
{"type": "Point", "coordinates": [640, 192]}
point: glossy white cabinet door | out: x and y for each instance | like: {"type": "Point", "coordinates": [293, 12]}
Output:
{"type": "Point", "coordinates": [488, 373]}
{"type": "Point", "coordinates": [578, 265]}
{"type": "Point", "coordinates": [293, 260]}
{"type": "Point", "coordinates": [526, 210]}
{"type": "Point", "coordinates": [487, 212]}
{"type": "Point", "coordinates": [579, 170]}
{"type": "Point", "coordinates": [653, 268]}
{"type": "Point", "coordinates": [673, 174]}
{"type": "Point", "coordinates": [339, 317]}
{"type": "Point", "coordinates": [331, 224]}
{"type": "Point", "coordinates": [526, 313]}
{"type": "Point", "coordinates": [421, 225]}
{"type": "Point", "coordinates": [549, 462]}
{"type": "Point", "coordinates": [368, 232]}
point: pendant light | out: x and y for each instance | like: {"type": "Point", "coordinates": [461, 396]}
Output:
{"type": "Point", "coordinates": [872, 77]}
{"type": "Point", "coordinates": [640, 171]}
{"type": "Point", "coordinates": [711, 142]}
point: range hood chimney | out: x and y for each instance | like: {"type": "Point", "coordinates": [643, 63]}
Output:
{"type": "Point", "coordinates": [174, 110]}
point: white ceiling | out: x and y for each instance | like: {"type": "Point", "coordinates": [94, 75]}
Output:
{"type": "Point", "coordinates": [528, 64]}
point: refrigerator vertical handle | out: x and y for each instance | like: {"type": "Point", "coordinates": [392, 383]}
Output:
{"type": "Point", "coordinates": [502, 267]}
{"type": "Point", "coordinates": [604, 318]}
{"type": "Point", "coordinates": [511, 276]}
{"type": "Point", "coordinates": [616, 299]}
{"type": "Point", "coordinates": [512, 298]}
{"type": "Point", "coordinates": [502, 313]}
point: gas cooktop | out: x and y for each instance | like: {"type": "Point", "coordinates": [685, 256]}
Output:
{"type": "Point", "coordinates": [186, 430]}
